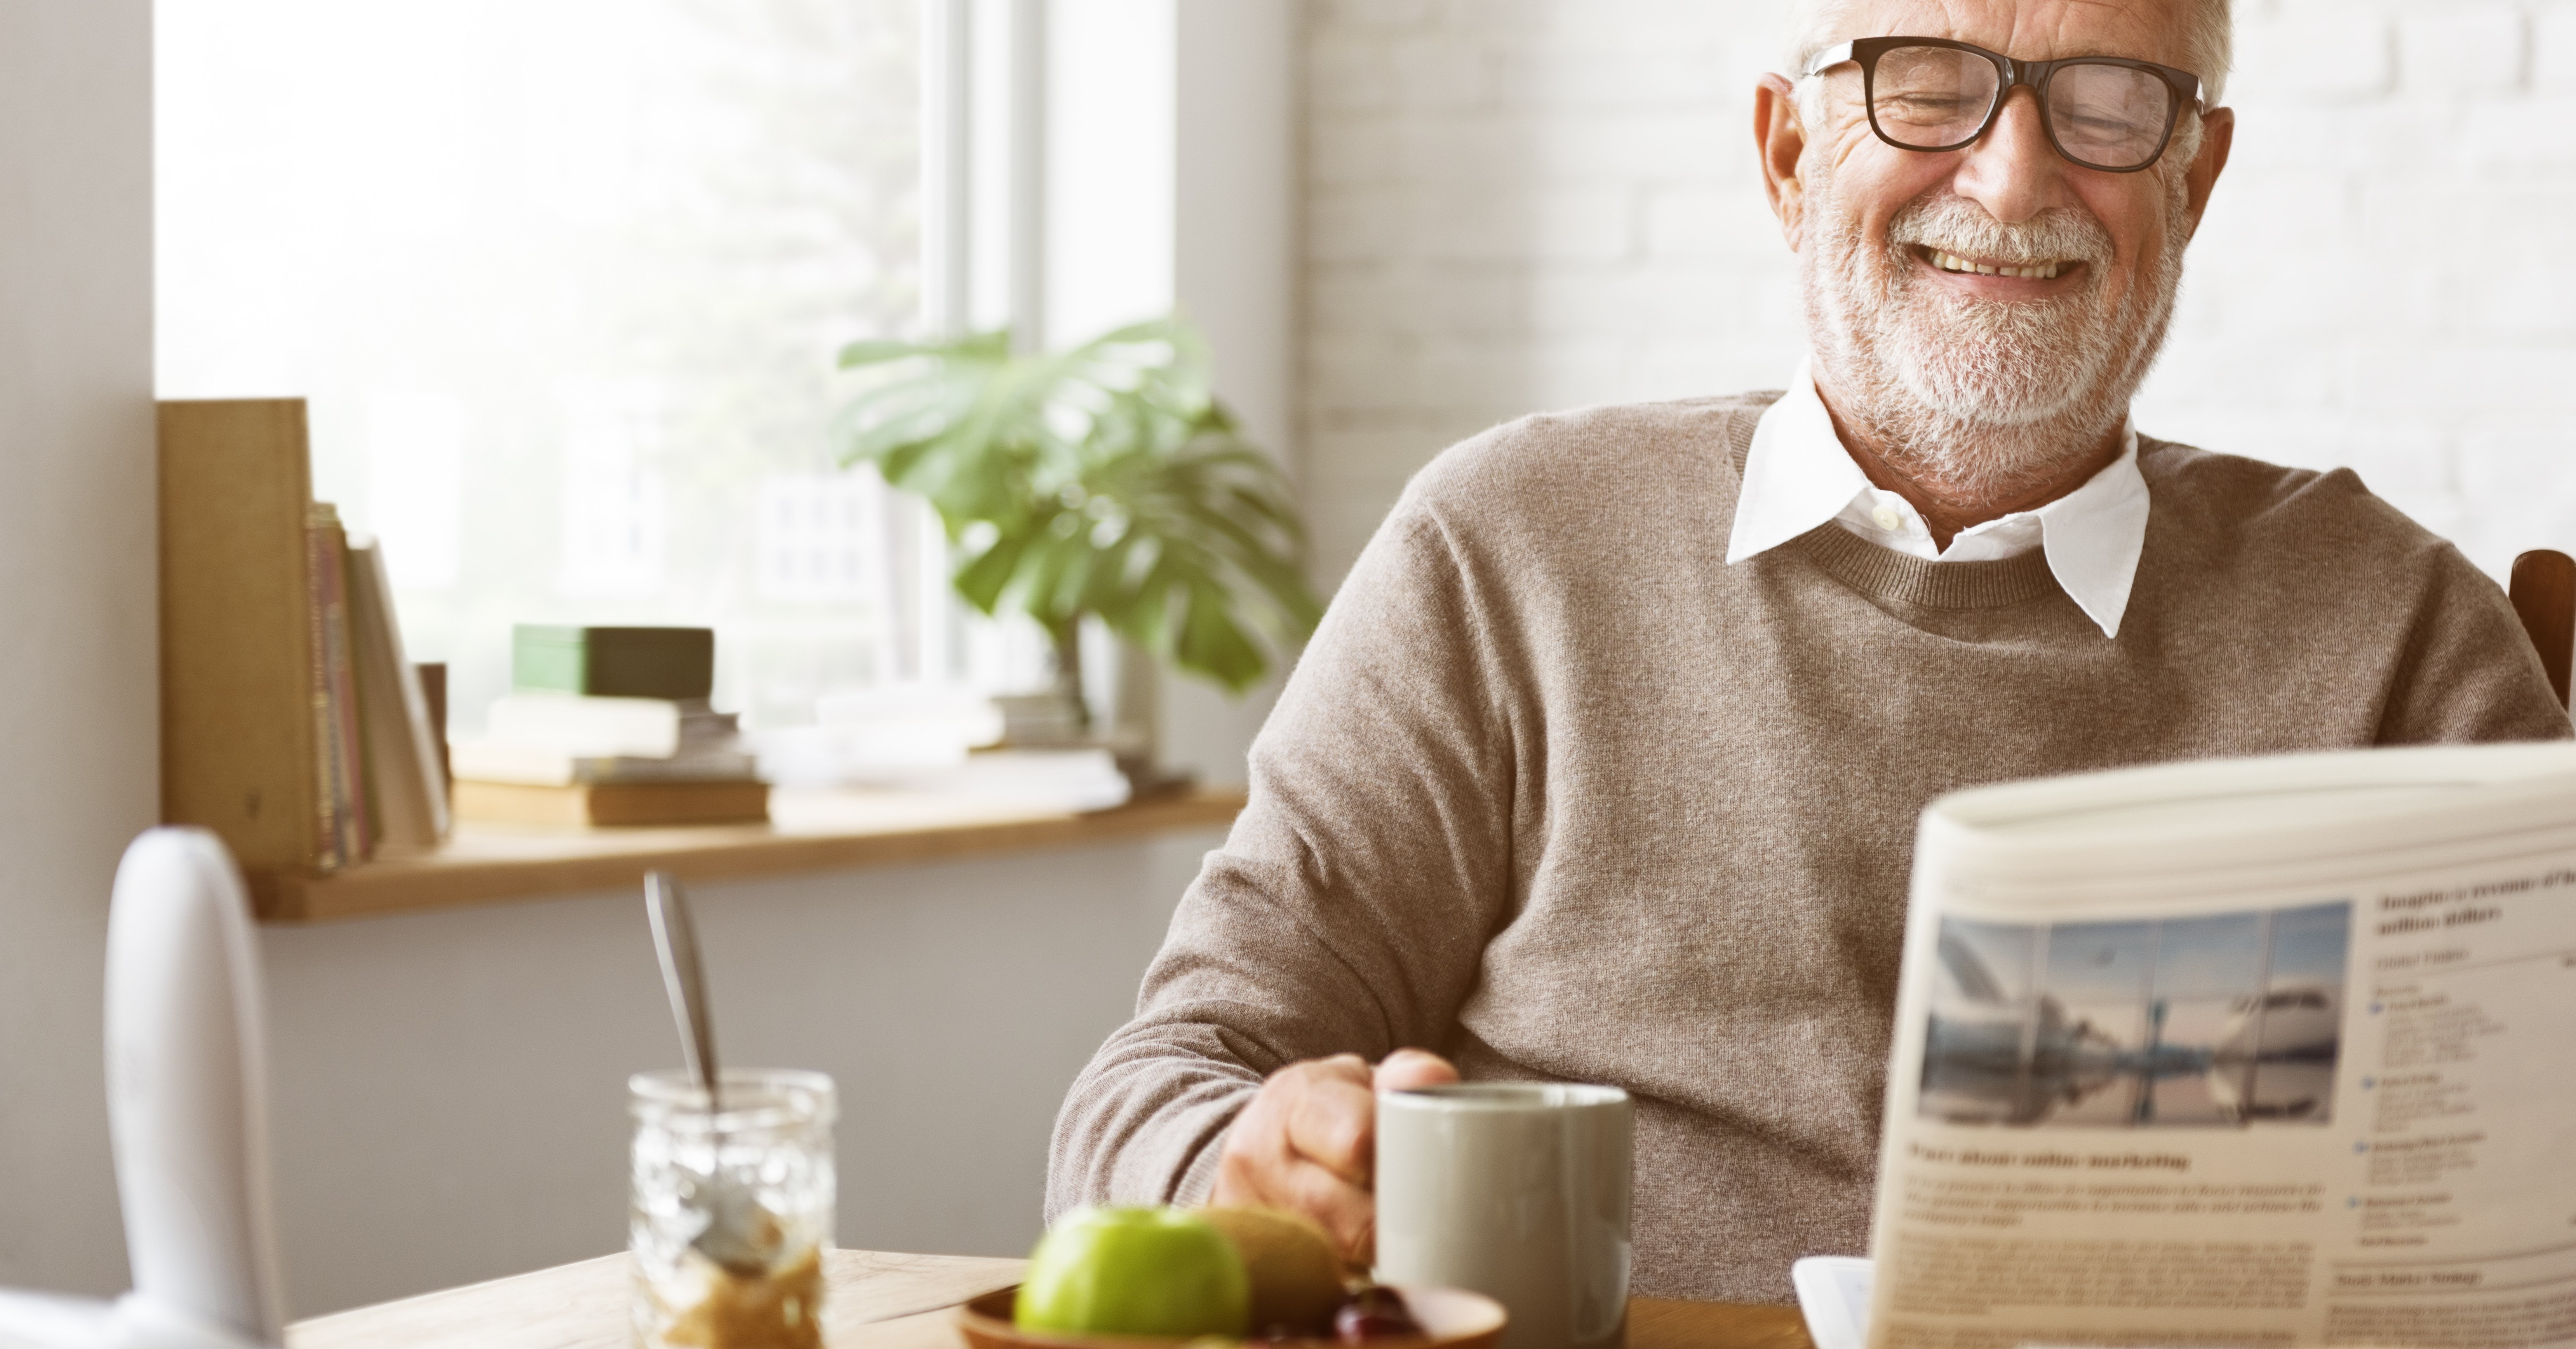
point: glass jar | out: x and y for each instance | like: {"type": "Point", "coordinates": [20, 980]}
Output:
{"type": "Point", "coordinates": [730, 1214]}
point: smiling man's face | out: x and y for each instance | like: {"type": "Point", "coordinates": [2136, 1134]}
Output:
{"type": "Point", "coordinates": [1988, 312]}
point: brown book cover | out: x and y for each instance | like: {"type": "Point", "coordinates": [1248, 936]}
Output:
{"type": "Point", "coordinates": [739, 801]}
{"type": "Point", "coordinates": [433, 697]}
{"type": "Point", "coordinates": [241, 742]}
{"type": "Point", "coordinates": [335, 697]}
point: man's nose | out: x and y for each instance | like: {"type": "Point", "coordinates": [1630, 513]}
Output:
{"type": "Point", "coordinates": [2014, 172]}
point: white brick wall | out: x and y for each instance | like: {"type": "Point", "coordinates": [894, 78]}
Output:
{"type": "Point", "coordinates": [1525, 204]}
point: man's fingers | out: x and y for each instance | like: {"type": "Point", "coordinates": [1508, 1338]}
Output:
{"type": "Point", "coordinates": [1333, 1124]}
{"type": "Point", "coordinates": [1261, 1170]}
{"type": "Point", "coordinates": [1308, 1140]}
{"type": "Point", "coordinates": [1319, 1111]}
{"type": "Point", "coordinates": [1332, 1118]}
{"type": "Point", "coordinates": [1347, 1212]}
{"type": "Point", "coordinates": [1350, 1068]}
{"type": "Point", "coordinates": [1408, 1068]}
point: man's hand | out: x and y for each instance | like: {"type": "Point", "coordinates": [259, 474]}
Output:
{"type": "Point", "coordinates": [1308, 1142]}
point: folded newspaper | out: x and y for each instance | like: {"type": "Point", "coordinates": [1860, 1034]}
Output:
{"type": "Point", "coordinates": [2262, 1052]}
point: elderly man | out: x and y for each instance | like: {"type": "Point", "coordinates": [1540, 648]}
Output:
{"type": "Point", "coordinates": [1605, 764]}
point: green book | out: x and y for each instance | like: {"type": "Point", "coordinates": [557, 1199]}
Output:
{"type": "Point", "coordinates": [674, 663]}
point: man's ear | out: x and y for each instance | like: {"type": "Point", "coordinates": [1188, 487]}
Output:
{"type": "Point", "coordinates": [2217, 137]}
{"type": "Point", "coordinates": [1780, 141]}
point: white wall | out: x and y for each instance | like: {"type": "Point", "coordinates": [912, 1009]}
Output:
{"type": "Point", "coordinates": [78, 688]}
{"type": "Point", "coordinates": [450, 1087]}
{"type": "Point", "coordinates": [1236, 272]}
{"type": "Point", "coordinates": [1543, 203]}
{"type": "Point", "coordinates": [2384, 280]}
{"type": "Point", "coordinates": [1236, 164]}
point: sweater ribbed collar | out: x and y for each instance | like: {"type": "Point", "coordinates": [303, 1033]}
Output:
{"type": "Point", "coordinates": [1888, 574]}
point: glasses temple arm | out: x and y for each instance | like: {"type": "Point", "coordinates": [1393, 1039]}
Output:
{"type": "Point", "coordinates": [1826, 60]}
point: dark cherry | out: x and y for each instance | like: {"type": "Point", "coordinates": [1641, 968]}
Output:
{"type": "Point", "coordinates": [1374, 1313]}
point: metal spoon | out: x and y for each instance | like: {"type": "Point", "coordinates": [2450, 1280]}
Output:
{"type": "Point", "coordinates": [739, 1232]}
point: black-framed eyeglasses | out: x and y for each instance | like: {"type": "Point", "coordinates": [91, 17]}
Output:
{"type": "Point", "coordinates": [1932, 94]}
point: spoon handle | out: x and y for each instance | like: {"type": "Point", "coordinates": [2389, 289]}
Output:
{"type": "Point", "coordinates": [675, 939]}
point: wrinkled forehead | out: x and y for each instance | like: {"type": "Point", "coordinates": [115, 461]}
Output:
{"type": "Point", "coordinates": [2033, 30]}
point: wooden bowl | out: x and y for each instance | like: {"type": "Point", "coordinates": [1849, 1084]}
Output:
{"type": "Point", "coordinates": [1452, 1318]}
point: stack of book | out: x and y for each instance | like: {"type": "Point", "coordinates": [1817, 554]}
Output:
{"type": "Point", "coordinates": [943, 740]}
{"type": "Point", "coordinates": [293, 726]}
{"type": "Point", "coordinates": [609, 726]}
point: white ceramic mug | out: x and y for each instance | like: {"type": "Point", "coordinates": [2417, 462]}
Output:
{"type": "Point", "coordinates": [1517, 1190]}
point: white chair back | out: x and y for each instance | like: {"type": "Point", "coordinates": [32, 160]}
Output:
{"type": "Point", "coordinates": [187, 1058]}
{"type": "Point", "coordinates": [187, 1084]}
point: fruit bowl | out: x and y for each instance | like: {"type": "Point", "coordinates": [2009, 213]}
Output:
{"type": "Point", "coordinates": [1452, 1318]}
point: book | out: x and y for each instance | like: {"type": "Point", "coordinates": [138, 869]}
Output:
{"type": "Point", "coordinates": [865, 736]}
{"type": "Point", "coordinates": [1041, 721]}
{"type": "Point", "coordinates": [1071, 780]}
{"type": "Point", "coordinates": [406, 784]}
{"type": "Point", "coordinates": [335, 699]}
{"type": "Point", "coordinates": [499, 761]}
{"type": "Point", "coordinates": [645, 728]}
{"type": "Point", "coordinates": [2265, 1051]}
{"type": "Point", "coordinates": [433, 693]}
{"type": "Point", "coordinates": [563, 740]}
{"type": "Point", "coordinates": [243, 746]}
{"type": "Point", "coordinates": [608, 804]}
{"type": "Point", "coordinates": [678, 664]}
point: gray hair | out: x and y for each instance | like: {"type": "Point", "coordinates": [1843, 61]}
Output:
{"type": "Point", "coordinates": [2209, 45]}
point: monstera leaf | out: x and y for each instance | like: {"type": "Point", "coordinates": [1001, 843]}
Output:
{"type": "Point", "coordinates": [1103, 480]}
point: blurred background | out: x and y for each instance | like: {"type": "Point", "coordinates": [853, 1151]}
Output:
{"type": "Point", "coordinates": [563, 280]}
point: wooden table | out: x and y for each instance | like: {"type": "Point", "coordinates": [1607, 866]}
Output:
{"type": "Point", "coordinates": [877, 1301]}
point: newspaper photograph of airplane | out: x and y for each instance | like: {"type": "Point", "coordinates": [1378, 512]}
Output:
{"type": "Point", "coordinates": [2222, 1020]}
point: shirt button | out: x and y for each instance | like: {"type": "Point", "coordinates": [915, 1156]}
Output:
{"type": "Point", "coordinates": [1887, 518]}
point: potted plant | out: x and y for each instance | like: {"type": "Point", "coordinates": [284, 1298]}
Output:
{"type": "Point", "coordinates": [1106, 480]}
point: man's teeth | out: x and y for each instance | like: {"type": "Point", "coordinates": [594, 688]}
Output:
{"type": "Point", "coordinates": [1951, 262]}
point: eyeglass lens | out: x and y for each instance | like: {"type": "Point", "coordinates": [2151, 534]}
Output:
{"type": "Point", "coordinates": [1934, 98]}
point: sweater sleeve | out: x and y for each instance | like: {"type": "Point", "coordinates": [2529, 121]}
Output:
{"type": "Point", "coordinates": [2469, 673]}
{"type": "Point", "coordinates": [1349, 908]}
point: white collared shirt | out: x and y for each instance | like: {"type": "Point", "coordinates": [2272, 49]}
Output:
{"type": "Point", "coordinates": [1799, 476]}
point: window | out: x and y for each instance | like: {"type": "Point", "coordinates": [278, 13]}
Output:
{"type": "Point", "coordinates": [562, 281]}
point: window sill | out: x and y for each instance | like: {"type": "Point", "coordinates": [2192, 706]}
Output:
{"type": "Point", "coordinates": [809, 831]}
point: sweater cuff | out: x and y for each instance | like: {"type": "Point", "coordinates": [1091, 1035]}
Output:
{"type": "Point", "coordinates": [1198, 1180]}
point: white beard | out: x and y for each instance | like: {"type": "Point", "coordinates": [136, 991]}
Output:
{"type": "Point", "coordinates": [1980, 401]}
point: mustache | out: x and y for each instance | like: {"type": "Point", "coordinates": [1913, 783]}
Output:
{"type": "Point", "coordinates": [1953, 224]}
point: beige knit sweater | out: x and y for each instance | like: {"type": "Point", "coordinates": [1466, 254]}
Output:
{"type": "Point", "coordinates": [1557, 792]}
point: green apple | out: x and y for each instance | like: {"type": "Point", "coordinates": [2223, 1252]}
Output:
{"type": "Point", "coordinates": [1135, 1271]}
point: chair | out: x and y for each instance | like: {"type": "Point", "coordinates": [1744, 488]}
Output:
{"type": "Point", "coordinates": [2544, 595]}
{"type": "Point", "coordinates": [187, 1111]}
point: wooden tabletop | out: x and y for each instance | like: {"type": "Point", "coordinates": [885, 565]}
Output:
{"type": "Point", "coordinates": [876, 1300]}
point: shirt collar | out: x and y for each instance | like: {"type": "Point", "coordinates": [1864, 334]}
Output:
{"type": "Point", "coordinates": [1798, 476]}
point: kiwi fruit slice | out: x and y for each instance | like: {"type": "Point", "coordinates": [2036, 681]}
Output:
{"type": "Point", "coordinates": [1296, 1270]}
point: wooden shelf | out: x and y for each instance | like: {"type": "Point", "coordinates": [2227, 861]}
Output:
{"type": "Point", "coordinates": [808, 831]}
